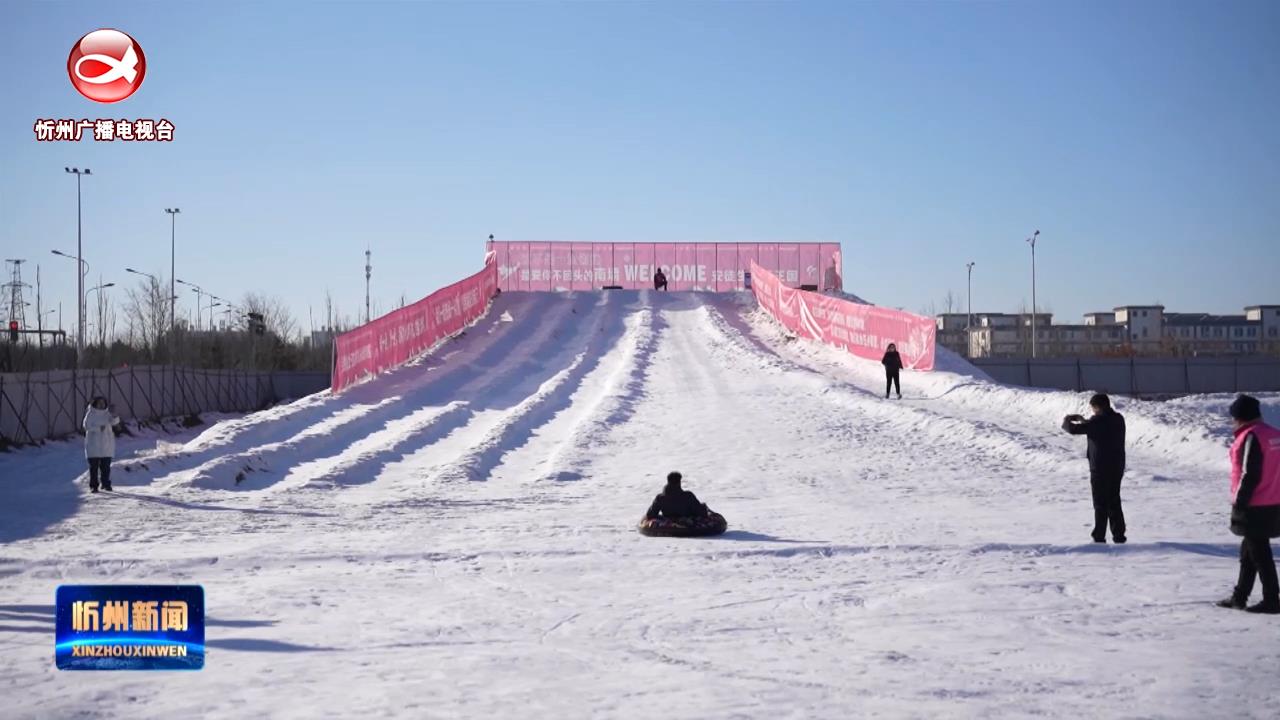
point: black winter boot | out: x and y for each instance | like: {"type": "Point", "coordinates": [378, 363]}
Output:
{"type": "Point", "coordinates": [1235, 602]}
{"type": "Point", "coordinates": [1268, 606]}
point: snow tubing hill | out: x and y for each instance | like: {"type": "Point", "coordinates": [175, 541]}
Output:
{"type": "Point", "coordinates": [713, 524]}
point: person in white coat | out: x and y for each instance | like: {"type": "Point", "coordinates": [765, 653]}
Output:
{"type": "Point", "coordinates": [99, 442]}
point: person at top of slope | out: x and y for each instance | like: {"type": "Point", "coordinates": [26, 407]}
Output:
{"type": "Point", "coordinates": [1105, 431]}
{"type": "Point", "coordinates": [892, 362]}
{"type": "Point", "coordinates": [1255, 504]}
{"type": "Point", "coordinates": [99, 442]}
{"type": "Point", "coordinates": [676, 502]}
{"type": "Point", "coordinates": [659, 280]}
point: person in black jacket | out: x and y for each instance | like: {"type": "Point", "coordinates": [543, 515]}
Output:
{"type": "Point", "coordinates": [675, 502]}
{"type": "Point", "coordinates": [660, 280]}
{"type": "Point", "coordinates": [1253, 521]}
{"type": "Point", "coordinates": [892, 362]}
{"type": "Point", "coordinates": [1105, 431]}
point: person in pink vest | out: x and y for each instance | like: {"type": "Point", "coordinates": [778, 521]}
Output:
{"type": "Point", "coordinates": [1255, 505]}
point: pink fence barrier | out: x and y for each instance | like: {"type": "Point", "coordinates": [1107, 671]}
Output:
{"type": "Point", "coordinates": [403, 334]}
{"type": "Point", "coordinates": [552, 266]}
{"type": "Point", "coordinates": [864, 330]}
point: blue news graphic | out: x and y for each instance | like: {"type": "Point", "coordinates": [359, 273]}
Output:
{"type": "Point", "coordinates": [129, 627]}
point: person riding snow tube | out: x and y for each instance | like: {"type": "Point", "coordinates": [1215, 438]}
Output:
{"type": "Point", "coordinates": [676, 512]}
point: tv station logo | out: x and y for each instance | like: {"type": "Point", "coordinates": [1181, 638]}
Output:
{"type": "Point", "coordinates": [105, 66]}
{"type": "Point", "coordinates": [129, 627]}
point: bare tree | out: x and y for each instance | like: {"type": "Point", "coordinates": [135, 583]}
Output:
{"type": "Point", "coordinates": [275, 314]}
{"type": "Point", "coordinates": [148, 312]}
{"type": "Point", "coordinates": [949, 302]}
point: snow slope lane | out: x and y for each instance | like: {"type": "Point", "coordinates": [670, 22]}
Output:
{"type": "Point", "coordinates": [456, 539]}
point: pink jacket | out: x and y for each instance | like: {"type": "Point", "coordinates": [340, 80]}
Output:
{"type": "Point", "coordinates": [1268, 439]}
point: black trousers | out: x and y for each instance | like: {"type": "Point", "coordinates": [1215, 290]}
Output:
{"type": "Point", "coordinates": [891, 380]}
{"type": "Point", "coordinates": [99, 468]}
{"type": "Point", "coordinates": [660, 286]}
{"type": "Point", "coordinates": [1256, 561]}
{"type": "Point", "coordinates": [1106, 504]}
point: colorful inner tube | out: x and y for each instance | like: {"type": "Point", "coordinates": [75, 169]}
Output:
{"type": "Point", "coordinates": [712, 524]}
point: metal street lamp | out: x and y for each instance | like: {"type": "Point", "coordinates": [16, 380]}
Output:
{"type": "Point", "coordinates": [198, 291]}
{"type": "Point", "coordinates": [173, 290]}
{"type": "Point", "coordinates": [102, 329]}
{"type": "Point", "coordinates": [1032, 241]}
{"type": "Point", "coordinates": [84, 271]}
{"type": "Point", "coordinates": [79, 256]}
{"type": "Point", "coordinates": [970, 265]}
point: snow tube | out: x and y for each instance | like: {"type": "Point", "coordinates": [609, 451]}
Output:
{"type": "Point", "coordinates": [712, 524]}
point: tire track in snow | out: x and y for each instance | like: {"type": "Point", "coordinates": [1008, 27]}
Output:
{"type": "Point", "coordinates": [616, 401]}
{"type": "Point", "coordinates": [512, 431]}
{"type": "Point", "coordinates": [899, 420]}
{"type": "Point", "coordinates": [320, 412]}
{"type": "Point", "coordinates": [361, 462]}
{"type": "Point", "coordinates": [267, 464]}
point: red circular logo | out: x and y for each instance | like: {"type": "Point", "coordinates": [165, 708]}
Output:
{"type": "Point", "coordinates": [106, 65]}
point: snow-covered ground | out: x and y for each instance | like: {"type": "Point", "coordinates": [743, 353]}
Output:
{"type": "Point", "coordinates": [457, 539]}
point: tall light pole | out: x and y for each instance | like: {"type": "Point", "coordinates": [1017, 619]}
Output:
{"type": "Point", "coordinates": [969, 323]}
{"type": "Point", "coordinates": [368, 272]}
{"type": "Point", "coordinates": [220, 303]}
{"type": "Point", "coordinates": [173, 290]}
{"type": "Point", "coordinates": [199, 297]}
{"type": "Point", "coordinates": [102, 331]}
{"type": "Point", "coordinates": [79, 256]}
{"type": "Point", "coordinates": [968, 326]}
{"type": "Point", "coordinates": [84, 271]}
{"type": "Point", "coordinates": [1032, 240]}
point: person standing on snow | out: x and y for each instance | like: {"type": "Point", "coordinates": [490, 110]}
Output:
{"type": "Point", "coordinates": [675, 502]}
{"type": "Point", "coordinates": [99, 442]}
{"type": "Point", "coordinates": [660, 280]}
{"type": "Point", "coordinates": [1105, 431]}
{"type": "Point", "coordinates": [892, 362]}
{"type": "Point", "coordinates": [1255, 504]}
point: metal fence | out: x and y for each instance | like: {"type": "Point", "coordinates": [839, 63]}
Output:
{"type": "Point", "coordinates": [1139, 376]}
{"type": "Point", "coordinates": [39, 405]}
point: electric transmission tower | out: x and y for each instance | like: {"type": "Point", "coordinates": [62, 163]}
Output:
{"type": "Point", "coordinates": [13, 289]}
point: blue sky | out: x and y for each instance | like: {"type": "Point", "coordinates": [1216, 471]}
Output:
{"type": "Point", "coordinates": [1141, 138]}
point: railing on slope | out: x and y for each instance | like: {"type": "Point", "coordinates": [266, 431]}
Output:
{"type": "Point", "coordinates": [401, 335]}
{"type": "Point", "coordinates": [862, 330]}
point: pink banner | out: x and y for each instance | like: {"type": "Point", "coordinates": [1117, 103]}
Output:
{"type": "Point", "coordinates": [539, 267]}
{"type": "Point", "coordinates": [581, 267]}
{"type": "Point", "coordinates": [703, 275]}
{"type": "Point", "coordinates": [769, 257]}
{"type": "Point", "coordinates": [561, 265]}
{"type": "Point", "coordinates": [809, 264]}
{"type": "Point", "coordinates": [684, 270]}
{"type": "Point", "coordinates": [624, 260]}
{"type": "Point", "coordinates": [517, 266]}
{"type": "Point", "coordinates": [717, 267]}
{"type": "Point", "coordinates": [403, 334]}
{"type": "Point", "coordinates": [788, 265]}
{"type": "Point", "coordinates": [641, 276]}
{"type": "Point", "coordinates": [862, 330]}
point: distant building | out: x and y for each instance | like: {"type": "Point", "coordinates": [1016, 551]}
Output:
{"type": "Point", "coordinates": [1126, 331]}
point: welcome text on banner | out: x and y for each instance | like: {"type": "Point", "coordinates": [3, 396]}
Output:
{"type": "Point", "coordinates": [706, 266]}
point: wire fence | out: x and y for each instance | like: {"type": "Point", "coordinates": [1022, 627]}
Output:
{"type": "Point", "coordinates": [1139, 376]}
{"type": "Point", "coordinates": [39, 405]}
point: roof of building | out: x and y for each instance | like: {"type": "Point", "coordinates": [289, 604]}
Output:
{"type": "Point", "coordinates": [1139, 307]}
{"type": "Point", "coordinates": [1261, 307]}
{"type": "Point", "coordinates": [1208, 319]}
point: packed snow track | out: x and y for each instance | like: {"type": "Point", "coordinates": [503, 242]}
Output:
{"type": "Point", "coordinates": [457, 539]}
